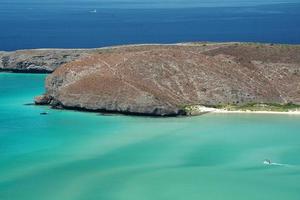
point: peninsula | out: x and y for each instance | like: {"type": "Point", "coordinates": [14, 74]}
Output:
{"type": "Point", "coordinates": [165, 80]}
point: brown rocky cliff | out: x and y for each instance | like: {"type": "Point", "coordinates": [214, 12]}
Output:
{"type": "Point", "coordinates": [161, 79]}
{"type": "Point", "coordinates": [39, 60]}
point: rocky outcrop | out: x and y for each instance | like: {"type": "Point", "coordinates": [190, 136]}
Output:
{"type": "Point", "coordinates": [47, 60]}
{"type": "Point", "coordinates": [163, 79]}
{"type": "Point", "coordinates": [38, 61]}
{"type": "Point", "coordinates": [42, 100]}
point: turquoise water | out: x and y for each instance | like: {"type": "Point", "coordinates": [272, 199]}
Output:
{"type": "Point", "coordinates": [74, 155]}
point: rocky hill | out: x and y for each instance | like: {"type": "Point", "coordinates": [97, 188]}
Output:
{"type": "Point", "coordinates": [39, 60]}
{"type": "Point", "coordinates": [163, 79]}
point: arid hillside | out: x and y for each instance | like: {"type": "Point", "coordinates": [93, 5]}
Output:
{"type": "Point", "coordinates": [38, 60]}
{"type": "Point", "coordinates": [162, 79]}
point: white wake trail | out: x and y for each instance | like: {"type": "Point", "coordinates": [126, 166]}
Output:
{"type": "Point", "coordinates": [277, 164]}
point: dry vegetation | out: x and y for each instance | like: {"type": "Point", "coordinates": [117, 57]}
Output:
{"type": "Point", "coordinates": [159, 79]}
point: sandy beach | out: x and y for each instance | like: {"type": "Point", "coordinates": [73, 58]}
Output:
{"type": "Point", "coordinates": [203, 109]}
{"type": "Point", "coordinates": [257, 112]}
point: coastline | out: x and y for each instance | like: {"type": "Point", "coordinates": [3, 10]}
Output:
{"type": "Point", "coordinates": [46, 60]}
{"type": "Point", "coordinates": [198, 110]}
{"type": "Point", "coordinates": [167, 79]}
{"type": "Point", "coordinates": [257, 112]}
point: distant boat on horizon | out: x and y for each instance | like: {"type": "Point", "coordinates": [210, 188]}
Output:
{"type": "Point", "coordinates": [93, 11]}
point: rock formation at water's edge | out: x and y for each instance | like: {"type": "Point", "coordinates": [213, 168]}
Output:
{"type": "Point", "coordinates": [39, 60]}
{"type": "Point", "coordinates": [161, 80]}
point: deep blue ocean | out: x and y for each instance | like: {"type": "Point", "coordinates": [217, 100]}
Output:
{"type": "Point", "coordinates": [73, 24]}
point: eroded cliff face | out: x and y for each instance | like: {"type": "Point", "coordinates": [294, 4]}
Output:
{"type": "Point", "coordinates": [38, 61]}
{"type": "Point", "coordinates": [161, 79]}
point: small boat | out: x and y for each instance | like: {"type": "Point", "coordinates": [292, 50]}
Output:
{"type": "Point", "coordinates": [267, 162]}
{"type": "Point", "coordinates": [93, 11]}
{"type": "Point", "coordinates": [43, 113]}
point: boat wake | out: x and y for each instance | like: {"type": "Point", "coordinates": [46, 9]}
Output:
{"type": "Point", "coordinates": [268, 162]}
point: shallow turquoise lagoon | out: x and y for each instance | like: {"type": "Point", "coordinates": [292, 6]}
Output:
{"type": "Point", "coordinates": [74, 155]}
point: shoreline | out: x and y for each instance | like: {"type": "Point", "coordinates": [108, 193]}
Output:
{"type": "Point", "coordinates": [199, 110]}
{"type": "Point", "coordinates": [119, 46]}
{"type": "Point", "coordinates": [256, 112]}
{"type": "Point", "coordinates": [165, 80]}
